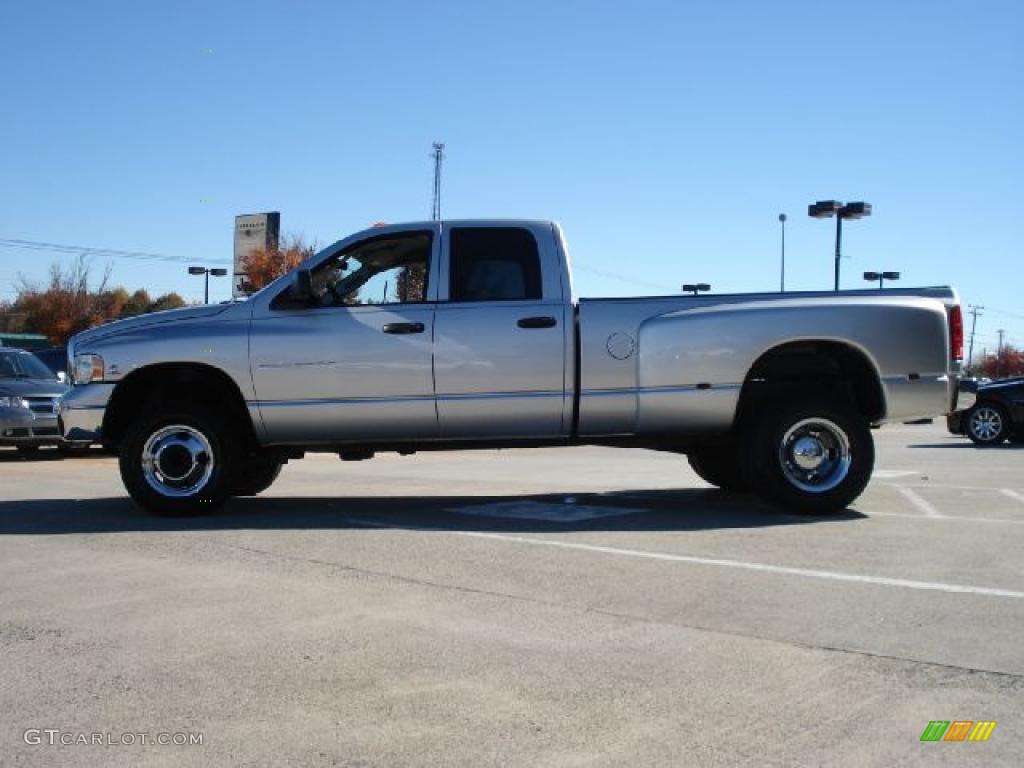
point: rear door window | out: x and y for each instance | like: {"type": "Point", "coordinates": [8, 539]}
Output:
{"type": "Point", "coordinates": [494, 264]}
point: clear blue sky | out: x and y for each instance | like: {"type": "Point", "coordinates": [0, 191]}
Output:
{"type": "Point", "coordinates": [665, 136]}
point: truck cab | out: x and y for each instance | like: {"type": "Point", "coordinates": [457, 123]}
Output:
{"type": "Point", "coordinates": [416, 332]}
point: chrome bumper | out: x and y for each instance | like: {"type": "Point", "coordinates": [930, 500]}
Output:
{"type": "Point", "coordinates": [82, 410]}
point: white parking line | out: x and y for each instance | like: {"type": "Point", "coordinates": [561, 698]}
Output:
{"type": "Point", "coordinates": [1012, 494]}
{"type": "Point", "coordinates": [959, 518]}
{"type": "Point", "coordinates": [931, 586]}
{"type": "Point", "coordinates": [918, 501]}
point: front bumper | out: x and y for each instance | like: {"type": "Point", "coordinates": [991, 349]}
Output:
{"type": "Point", "coordinates": [19, 426]}
{"type": "Point", "coordinates": [82, 410]}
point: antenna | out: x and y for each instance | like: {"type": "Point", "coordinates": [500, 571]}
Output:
{"type": "Point", "coordinates": [435, 212]}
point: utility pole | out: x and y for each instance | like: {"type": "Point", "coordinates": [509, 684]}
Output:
{"type": "Point", "coordinates": [975, 310]}
{"type": "Point", "coordinates": [435, 212]}
{"type": "Point", "coordinates": [999, 353]}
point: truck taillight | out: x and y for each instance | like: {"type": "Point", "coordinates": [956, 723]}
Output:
{"type": "Point", "coordinates": [956, 333]}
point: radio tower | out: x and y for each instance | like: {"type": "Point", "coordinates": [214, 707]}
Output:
{"type": "Point", "coordinates": [435, 212]}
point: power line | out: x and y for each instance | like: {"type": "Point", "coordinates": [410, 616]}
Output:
{"type": "Point", "coordinates": [623, 278]}
{"type": "Point", "coordinates": [111, 253]}
{"type": "Point", "coordinates": [1007, 314]}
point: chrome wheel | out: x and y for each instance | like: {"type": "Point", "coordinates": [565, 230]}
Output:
{"type": "Point", "coordinates": [986, 424]}
{"type": "Point", "coordinates": [815, 455]}
{"type": "Point", "coordinates": [177, 461]}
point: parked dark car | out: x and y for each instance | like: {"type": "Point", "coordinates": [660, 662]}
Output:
{"type": "Point", "coordinates": [29, 395]}
{"type": "Point", "coordinates": [996, 415]}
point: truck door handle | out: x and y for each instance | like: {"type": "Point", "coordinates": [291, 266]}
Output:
{"type": "Point", "coordinates": [404, 328]}
{"type": "Point", "coordinates": [537, 322]}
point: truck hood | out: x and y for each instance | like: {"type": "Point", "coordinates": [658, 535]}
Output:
{"type": "Point", "coordinates": [32, 387]}
{"type": "Point", "coordinates": [81, 340]}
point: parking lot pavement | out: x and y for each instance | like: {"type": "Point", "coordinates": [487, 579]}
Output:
{"type": "Point", "coordinates": [534, 607]}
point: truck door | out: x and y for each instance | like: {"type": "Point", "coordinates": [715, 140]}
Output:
{"type": "Point", "coordinates": [356, 364]}
{"type": "Point", "coordinates": [500, 334]}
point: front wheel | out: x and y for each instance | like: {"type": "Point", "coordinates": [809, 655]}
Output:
{"type": "Point", "coordinates": [178, 462]}
{"type": "Point", "coordinates": [809, 458]}
{"type": "Point", "coordinates": [987, 424]}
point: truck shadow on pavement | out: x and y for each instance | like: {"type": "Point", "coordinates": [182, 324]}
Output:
{"type": "Point", "coordinates": [663, 510]}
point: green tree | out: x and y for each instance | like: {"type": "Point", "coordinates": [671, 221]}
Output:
{"type": "Point", "coordinates": [167, 301]}
{"type": "Point", "coordinates": [137, 304]}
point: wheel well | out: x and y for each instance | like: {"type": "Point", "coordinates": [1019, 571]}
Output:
{"type": "Point", "coordinates": [175, 383]}
{"type": "Point", "coordinates": [828, 366]}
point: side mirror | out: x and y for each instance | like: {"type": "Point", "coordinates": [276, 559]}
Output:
{"type": "Point", "coordinates": [302, 286]}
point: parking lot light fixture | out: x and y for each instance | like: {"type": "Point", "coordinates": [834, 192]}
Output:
{"type": "Point", "coordinates": [826, 209]}
{"type": "Point", "coordinates": [881, 277]}
{"type": "Point", "coordinates": [206, 272]}
{"type": "Point", "coordinates": [696, 288]}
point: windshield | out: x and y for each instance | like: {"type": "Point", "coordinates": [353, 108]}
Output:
{"type": "Point", "coordinates": [17, 364]}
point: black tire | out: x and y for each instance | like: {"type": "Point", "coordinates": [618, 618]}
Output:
{"type": "Point", "coordinates": [193, 458]}
{"type": "Point", "coordinates": [256, 476]}
{"type": "Point", "coordinates": [784, 440]}
{"type": "Point", "coordinates": [955, 422]}
{"type": "Point", "coordinates": [718, 465]}
{"type": "Point", "coordinates": [987, 424]}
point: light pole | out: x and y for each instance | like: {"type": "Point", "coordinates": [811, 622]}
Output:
{"type": "Point", "coordinates": [215, 271]}
{"type": "Point", "coordinates": [881, 277]}
{"type": "Point", "coordinates": [825, 209]}
{"type": "Point", "coordinates": [696, 288]}
{"type": "Point", "coordinates": [782, 278]}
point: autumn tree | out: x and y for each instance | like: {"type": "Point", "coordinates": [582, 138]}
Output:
{"type": "Point", "coordinates": [1009, 361]}
{"type": "Point", "coordinates": [138, 303]}
{"type": "Point", "coordinates": [412, 283]}
{"type": "Point", "coordinates": [166, 301]}
{"type": "Point", "coordinates": [66, 304]}
{"type": "Point", "coordinates": [265, 265]}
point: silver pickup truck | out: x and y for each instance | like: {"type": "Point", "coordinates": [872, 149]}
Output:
{"type": "Point", "coordinates": [467, 334]}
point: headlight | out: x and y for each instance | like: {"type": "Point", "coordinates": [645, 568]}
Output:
{"type": "Point", "coordinates": [13, 402]}
{"type": "Point", "coordinates": [88, 368]}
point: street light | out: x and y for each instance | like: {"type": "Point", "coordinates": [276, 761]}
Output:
{"type": "Point", "coordinates": [216, 272]}
{"type": "Point", "coordinates": [696, 288]}
{"type": "Point", "coordinates": [782, 279]}
{"type": "Point", "coordinates": [825, 209]}
{"type": "Point", "coordinates": [881, 277]}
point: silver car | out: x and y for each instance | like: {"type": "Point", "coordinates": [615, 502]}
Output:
{"type": "Point", "coordinates": [29, 400]}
